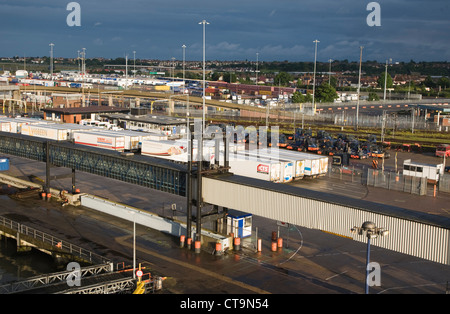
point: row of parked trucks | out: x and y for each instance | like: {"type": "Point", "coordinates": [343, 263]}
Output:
{"type": "Point", "coordinates": [273, 164]}
{"type": "Point", "coordinates": [268, 163]}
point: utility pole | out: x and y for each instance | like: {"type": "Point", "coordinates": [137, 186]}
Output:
{"type": "Point", "coordinates": [329, 73]}
{"type": "Point", "coordinates": [204, 22]}
{"type": "Point", "coordinates": [51, 60]}
{"type": "Point", "coordinates": [314, 84]}
{"type": "Point", "coordinates": [359, 88]}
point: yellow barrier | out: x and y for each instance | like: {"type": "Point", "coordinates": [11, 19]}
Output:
{"type": "Point", "coordinates": [140, 289]}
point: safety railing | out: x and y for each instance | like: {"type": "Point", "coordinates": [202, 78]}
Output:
{"type": "Point", "coordinates": [59, 244]}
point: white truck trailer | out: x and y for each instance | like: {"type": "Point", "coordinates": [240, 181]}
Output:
{"type": "Point", "coordinates": [57, 132]}
{"type": "Point", "coordinates": [304, 164]}
{"type": "Point", "coordinates": [99, 139]}
{"type": "Point", "coordinates": [256, 168]}
{"type": "Point", "coordinates": [175, 150]}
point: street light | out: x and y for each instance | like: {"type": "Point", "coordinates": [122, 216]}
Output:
{"type": "Point", "coordinates": [204, 22]}
{"type": "Point", "coordinates": [359, 87]}
{"type": "Point", "coordinates": [371, 231]}
{"type": "Point", "coordinates": [51, 60]}
{"type": "Point", "coordinates": [134, 65]}
{"type": "Point", "coordinates": [184, 60]}
{"type": "Point", "coordinates": [385, 79]}
{"type": "Point", "coordinates": [314, 84]}
{"type": "Point", "coordinates": [329, 73]}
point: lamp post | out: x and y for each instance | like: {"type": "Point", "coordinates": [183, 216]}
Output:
{"type": "Point", "coordinates": [134, 63]}
{"type": "Point", "coordinates": [204, 22]}
{"type": "Point", "coordinates": [184, 68]}
{"type": "Point", "coordinates": [329, 73]}
{"type": "Point", "coordinates": [371, 231]}
{"type": "Point", "coordinates": [51, 60]}
{"type": "Point", "coordinates": [385, 79]}
{"type": "Point", "coordinates": [359, 87]}
{"type": "Point", "coordinates": [314, 83]}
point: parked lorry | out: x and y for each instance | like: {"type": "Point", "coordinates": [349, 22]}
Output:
{"type": "Point", "coordinates": [443, 150]}
{"type": "Point", "coordinates": [176, 151]}
{"type": "Point", "coordinates": [306, 164]}
{"type": "Point", "coordinates": [99, 139]}
{"type": "Point", "coordinates": [51, 131]}
{"type": "Point", "coordinates": [262, 169]}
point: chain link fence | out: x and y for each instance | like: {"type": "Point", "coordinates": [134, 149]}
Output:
{"type": "Point", "coordinates": [386, 179]}
{"type": "Point", "coordinates": [444, 183]}
{"type": "Point", "coordinates": [396, 181]}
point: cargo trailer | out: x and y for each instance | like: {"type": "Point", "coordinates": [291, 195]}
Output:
{"type": "Point", "coordinates": [100, 140]}
{"type": "Point", "coordinates": [175, 150]}
{"type": "Point", "coordinates": [51, 131]}
{"type": "Point", "coordinates": [298, 163]}
{"type": "Point", "coordinates": [257, 168]}
{"type": "Point", "coordinates": [304, 164]}
{"type": "Point", "coordinates": [287, 166]}
{"type": "Point", "coordinates": [134, 138]}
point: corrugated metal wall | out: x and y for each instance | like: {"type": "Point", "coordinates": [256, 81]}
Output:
{"type": "Point", "coordinates": [410, 237]}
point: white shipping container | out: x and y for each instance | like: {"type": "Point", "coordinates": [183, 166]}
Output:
{"type": "Point", "coordinates": [99, 139]}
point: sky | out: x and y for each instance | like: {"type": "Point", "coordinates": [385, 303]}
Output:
{"type": "Point", "coordinates": [266, 30]}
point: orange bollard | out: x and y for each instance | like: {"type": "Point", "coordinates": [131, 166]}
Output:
{"type": "Point", "coordinates": [197, 246]}
{"type": "Point", "coordinates": [237, 244]}
{"type": "Point", "coordinates": [274, 246]}
{"type": "Point", "coordinates": [189, 243]}
{"type": "Point", "coordinates": [182, 238]}
{"type": "Point", "coordinates": [280, 242]}
{"type": "Point", "coordinates": [259, 245]}
{"type": "Point", "coordinates": [218, 248]}
{"type": "Point", "coordinates": [49, 196]}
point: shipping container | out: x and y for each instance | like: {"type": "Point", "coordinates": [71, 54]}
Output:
{"type": "Point", "coordinates": [99, 139]}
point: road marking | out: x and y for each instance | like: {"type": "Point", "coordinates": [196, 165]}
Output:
{"type": "Point", "coordinates": [123, 240]}
{"type": "Point", "coordinates": [336, 275]}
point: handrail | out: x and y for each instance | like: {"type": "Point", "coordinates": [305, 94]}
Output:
{"type": "Point", "coordinates": [59, 244]}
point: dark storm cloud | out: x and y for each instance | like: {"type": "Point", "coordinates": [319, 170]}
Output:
{"type": "Point", "coordinates": [276, 30]}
